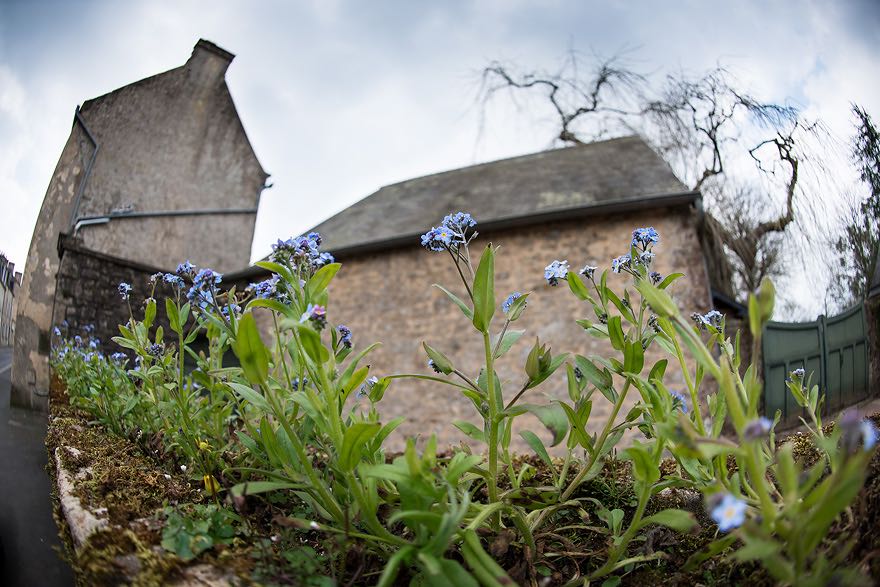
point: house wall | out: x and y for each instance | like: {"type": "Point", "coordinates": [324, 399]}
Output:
{"type": "Point", "coordinates": [388, 297]}
{"type": "Point", "coordinates": [30, 355]}
{"type": "Point", "coordinates": [171, 142]}
{"type": "Point", "coordinates": [8, 287]}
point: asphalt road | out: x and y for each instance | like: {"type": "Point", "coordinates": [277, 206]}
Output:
{"type": "Point", "coordinates": [28, 535]}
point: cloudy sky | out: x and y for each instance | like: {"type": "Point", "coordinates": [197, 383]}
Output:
{"type": "Point", "coordinates": [340, 98]}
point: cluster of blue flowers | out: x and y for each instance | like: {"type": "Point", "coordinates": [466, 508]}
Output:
{"type": "Point", "coordinates": [645, 237]}
{"type": "Point", "coordinates": [555, 271]}
{"type": "Point", "coordinates": [302, 251]}
{"type": "Point", "coordinates": [679, 401]}
{"type": "Point", "coordinates": [344, 335]}
{"type": "Point", "coordinates": [203, 290]}
{"type": "Point", "coordinates": [505, 306]}
{"type": "Point", "coordinates": [642, 241]}
{"type": "Point", "coordinates": [124, 290]}
{"type": "Point", "coordinates": [270, 289]}
{"type": "Point", "coordinates": [712, 318]}
{"type": "Point", "coordinates": [451, 233]}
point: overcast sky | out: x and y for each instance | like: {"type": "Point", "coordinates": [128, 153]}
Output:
{"type": "Point", "coordinates": [339, 98]}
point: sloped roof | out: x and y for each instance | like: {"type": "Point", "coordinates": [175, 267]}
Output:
{"type": "Point", "coordinates": [520, 190]}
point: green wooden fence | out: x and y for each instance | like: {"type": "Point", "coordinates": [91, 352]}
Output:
{"type": "Point", "coordinates": [834, 351]}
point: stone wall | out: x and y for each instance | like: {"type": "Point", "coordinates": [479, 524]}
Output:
{"type": "Point", "coordinates": [169, 143]}
{"type": "Point", "coordinates": [387, 297]}
{"type": "Point", "coordinates": [87, 293]}
{"type": "Point", "coordinates": [30, 356]}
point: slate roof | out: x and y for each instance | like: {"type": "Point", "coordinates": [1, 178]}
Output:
{"type": "Point", "coordinates": [516, 191]}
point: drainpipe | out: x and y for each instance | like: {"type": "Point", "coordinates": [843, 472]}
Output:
{"type": "Point", "coordinates": [88, 169]}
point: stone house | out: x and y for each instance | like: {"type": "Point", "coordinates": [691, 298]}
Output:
{"type": "Point", "coordinates": [9, 285]}
{"type": "Point", "coordinates": [578, 203]}
{"type": "Point", "coordinates": [153, 173]}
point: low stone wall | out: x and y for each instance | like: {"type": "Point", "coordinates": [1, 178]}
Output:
{"type": "Point", "coordinates": [87, 292]}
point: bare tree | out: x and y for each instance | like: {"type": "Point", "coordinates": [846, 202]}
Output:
{"type": "Point", "coordinates": [859, 245]}
{"type": "Point", "coordinates": [699, 126]}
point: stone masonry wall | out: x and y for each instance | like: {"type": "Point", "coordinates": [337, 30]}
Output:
{"type": "Point", "coordinates": [388, 297]}
{"type": "Point", "coordinates": [91, 276]}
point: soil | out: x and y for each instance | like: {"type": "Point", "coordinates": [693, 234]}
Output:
{"type": "Point", "coordinates": [135, 482]}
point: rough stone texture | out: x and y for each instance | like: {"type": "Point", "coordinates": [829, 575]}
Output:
{"type": "Point", "coordinates": [388, 297]}
{"type": "Point", "coordinates": [82, 522]}
{"type": "Point", "coordinates": [92, 276]}
{"type": "Point", "coordinates": [30, 365]}
{"type": "Point", "coordinates": [171, 142]}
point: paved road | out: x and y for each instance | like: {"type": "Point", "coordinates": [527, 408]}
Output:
{"type": "Point", "coordinates": [27, 531]}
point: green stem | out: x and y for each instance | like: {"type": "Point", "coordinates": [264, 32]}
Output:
{"type": "Point", "coordinates": [328, 501]}
{"type": "Point", "coordinates": [620, 548]}
{"type": "Point", "coordinates": [597, 448]}
{"type": "Point", "coordinates": [493, 419]}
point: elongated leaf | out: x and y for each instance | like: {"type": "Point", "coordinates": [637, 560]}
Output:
{"type": "Point", "coordinates": [553, 417]}
{"type": "Point", "coordinates": [470, 430]}
{"type": "Point", "coordinates": [353, 443]}
{"type": "Point", "coordinates": [440, 360]}
{"type": "Point", "coordinates": [484, 290]}
{"type": "Point", "coordinates": [536, 445]}
{"type": "Point", "coordinates": [173, 315]}
{"type": "Point", "coordinates": [457, 301]}
{"type": "Point", "coordinates": [311, 342]}
{"type": "Point", "coordinates": [601, 378]}
{"type": "Point", "coordinates": [255, 487]}
{"type": "Point", "coordinates": [576, 285]}
{"type": "Point", "coordinates": [669, 280]}
{"type": "Point", "coordinates": [321, 279]}
{"type": "Point", "coordinates": [279, 269]}
{"type": "Point", "coordinates": [678, 520]}
{"type": "Point", "coordinates": [615, 332]}
{"type": "Point", "coordinates": [510, 338]}
{"type": "Point", "coordinates": [275, 305]}
{"type": "Point", "coordinates": [660, 302]}
{"type": "Point", "coordinates": [250, 350]}
{"type": "Point", "coordinates": [251, 396]}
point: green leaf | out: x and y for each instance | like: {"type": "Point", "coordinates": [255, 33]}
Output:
{"type": "Point", "coordinates": [509, 339]}
{"type": "Point", "coordinates": [250, 350]}
{"type": "Point", "coordinates": [669, 280]}
{"type": "Point", "coordinates": [279, 269]}
{"type": "Point", "coordinates": [553, 417]}
{"type": "Point", "coordinates": [173, 315]}
{"type": "Point", "coordinates": [353, 443]}
{"type": "Point", "coordinates": [600, 378]}
{"type": "Point", "coordinates": [150, 312]}
{"type": "Point", "coordinates": [517, 307]}
{"type": "Point", "coordinates": [251, 396]}
{"type": "Point", "coordinates": [470, 430]}
{"type": "Point", "coordinates": [678, 520]}
{"type": "Point", "coordinates": [321, 279]}
{"type": "Point", "coordinates": [255, 487]}
{"type": "Point", "coordinates": [633, 357]}
{"type": "Point", "coordinates": [615, 332]}
{"type": "Point", "coordinates": [659, 300]}
{"type": "Point", "coordinates": [311, 343]}
{"type": "Point", "coordinates": [624, 310]}
{"type": "Point", "coordinates": [577, 287]}
{"type": "Point", "coordinates": [275, 305]}
{"type": "Point", "coordinates": [538, 446]}
{"type": "Point", "coordinates": [457, 301]}
{"type": "Point", "coordinates": [440, 360]}
{"type": "Point", "coordinates": [484, 290]}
